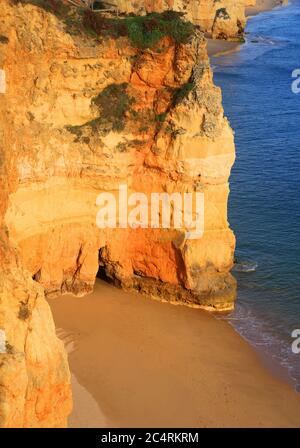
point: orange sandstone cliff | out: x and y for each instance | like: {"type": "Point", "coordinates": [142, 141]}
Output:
{"type": "Point", "coordinates": [223, 19]}
{"type": "Point", "coordinates": [81, 115]}
{"type": "Point", "coordinates": [34, 374]}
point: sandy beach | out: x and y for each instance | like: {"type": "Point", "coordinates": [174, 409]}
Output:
{"type": "Point", "coordinates": [221, 47]}
{"type": "Point", "coordinates": [136, 362]}
{"type": "Point", "coordinates": [264, 5]}
{"type": "Point", "coordinates": [217, 48]}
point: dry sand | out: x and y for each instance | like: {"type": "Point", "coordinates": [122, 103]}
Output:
{"type": "Point", "coordinates": [221, 47]}
{"type": "Point", "coordinates": [264, 5]}
{"type": "Point", "coordinates": [217, 48]}
{"type": "Point", "coordinates": [136, 362]}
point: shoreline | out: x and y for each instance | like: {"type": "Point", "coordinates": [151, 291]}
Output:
{"type": "Point", "coordinates": [223, 48]}
{"type": "Point", "coordinates": [216, 48]}
{"type": "Point", "coordinates": [275, 368]}
{"type": "Point", "coordinates": [263, 6]}
{"type": "Point", "coordinates": [136, 362]}
{"type": "Point", "coordinates": [131, 388]}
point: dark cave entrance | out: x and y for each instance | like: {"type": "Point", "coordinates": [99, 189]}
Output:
{"type": "Point", "coordinates": [37, 276]}
{"type": "Point", "coordinates": [106, 269]}
{"type": "Point", "coordinates": [102, 273]}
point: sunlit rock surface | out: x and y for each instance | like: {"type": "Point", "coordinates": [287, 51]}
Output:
{"type": "Point", "coordinates": [64, 141]}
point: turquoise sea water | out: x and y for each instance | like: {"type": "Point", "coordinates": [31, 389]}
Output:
{"type": "Point", "coordinates": [264, 207]}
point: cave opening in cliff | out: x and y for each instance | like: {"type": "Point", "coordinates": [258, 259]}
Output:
{"type": "Point", "coordinates": [37, 276]}
{"type": "Point", "coordinates": [102, 275]}
{"type": "Point", "coordinates": [102, 270]}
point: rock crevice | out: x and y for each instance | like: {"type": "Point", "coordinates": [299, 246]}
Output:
{"type": "Point", "coordinates": [83, 116]}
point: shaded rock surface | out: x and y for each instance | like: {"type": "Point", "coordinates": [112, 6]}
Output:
{"type": "Point", "coordinates": [34, 373]}
{"type": "Point", "coordinates": [82, 116]}
{"type": "Point", "coordinates": [223, 19]}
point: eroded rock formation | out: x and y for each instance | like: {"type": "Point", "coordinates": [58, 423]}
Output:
{"type": "Point", "coordinates": [34, 374]}
{"type": "Point", "coordinates": [81, 116]}
{"type": "Point", "coordinates": [223, 19]}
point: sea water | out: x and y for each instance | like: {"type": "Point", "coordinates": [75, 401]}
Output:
{"type": "Point", "coordinates": [264, 205]}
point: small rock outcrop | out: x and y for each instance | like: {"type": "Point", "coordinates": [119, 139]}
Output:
{"type": "Point", "coordinates": [222, 19]}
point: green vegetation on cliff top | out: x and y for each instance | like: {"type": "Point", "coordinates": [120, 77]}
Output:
{"type": "Point", "coordinates": [143, 31]}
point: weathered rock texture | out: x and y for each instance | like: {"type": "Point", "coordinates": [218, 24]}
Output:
{"type": "Point", "coordinates": [59, 151]}
{"type": "Point", "coordinates": [34, 375]}
{"type": "Point", "coordinates": [223, 19]}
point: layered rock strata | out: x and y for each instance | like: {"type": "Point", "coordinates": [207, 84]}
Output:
{"type": "Point", "coordinates": [222, 19]}
{"type": "Point", "coordinates": [82, 116]}
{"type": "Point", "coordinates": [34, 374]}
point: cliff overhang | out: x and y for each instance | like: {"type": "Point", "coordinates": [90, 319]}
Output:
{"type": "Point", "coordinates": [85, 113]}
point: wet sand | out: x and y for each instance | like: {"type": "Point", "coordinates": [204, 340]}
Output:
{"type": "Point", "coordinates": [217, 48]}
{"type": "Point", "coordinates": [220, 47]}
{"type": "Point", "coordinates": [264, 5]}
{"type": "Point", "coordinates": [136, 362]}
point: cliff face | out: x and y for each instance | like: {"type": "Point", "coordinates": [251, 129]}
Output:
{"type": "Point", "coordinates": [34, 374]}
{"type": "Point", "coordinates": [223, 19]}
{"type": "Point", "coordinates": [81, 118]}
